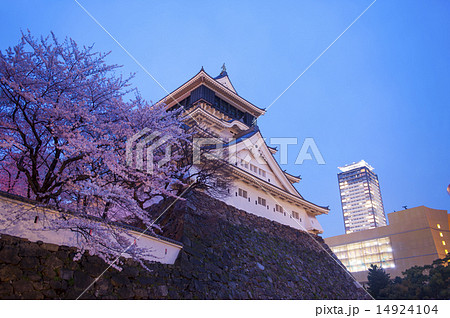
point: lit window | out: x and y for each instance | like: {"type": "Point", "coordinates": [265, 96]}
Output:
{"type": "Point", "coordinates": [438, 226]}
{"type": "Point", "coordinates": [278, 208]}
{"type": "Point", "coordinates": [242, 193]}
{"type": "Point", "coordinates": [443, 243]}
{"type": "Point", "coordinates": [440, 234]}
{"type": "Point", "coordinates": [446, 251]}
{"type": "Point", "coordinates": [358, 256]}
{"type": "Point", "coordinates": [261, 201]}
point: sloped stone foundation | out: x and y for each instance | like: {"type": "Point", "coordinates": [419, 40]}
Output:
{"type": "Point", "coordinates": [227, 254]}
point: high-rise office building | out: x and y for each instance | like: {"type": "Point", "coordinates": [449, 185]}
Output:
{"type": "Point", "coordinates": [361, 201]}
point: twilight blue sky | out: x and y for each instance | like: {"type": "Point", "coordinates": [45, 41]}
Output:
{"type": "Point", "coordinates": [380, 93]}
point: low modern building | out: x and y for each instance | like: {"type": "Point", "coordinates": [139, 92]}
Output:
{"type": "Point", "coordinates": [414, 236]}
{"type": "Point", "coordinates": [362, 205]}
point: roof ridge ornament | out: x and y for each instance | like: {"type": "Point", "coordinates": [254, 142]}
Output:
{"type": "Point", "coordinates": [224, 69]}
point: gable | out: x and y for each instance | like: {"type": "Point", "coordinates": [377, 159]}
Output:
{"type": "Point", "coordinates": [225, 81]}
{"type": "Point", "coordinates": [254, 156]}
{"type": "Point", "coordinates": [258, 167]}
{"type": "Point", "coordinates": [179, 95]}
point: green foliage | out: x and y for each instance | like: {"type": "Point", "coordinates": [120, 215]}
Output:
{"type": "Point", "coordinates": [420, 282]}
{"type": "Point", "coordinates": [378, 279]}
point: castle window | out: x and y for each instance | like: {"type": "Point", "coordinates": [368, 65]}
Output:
{"type": "Point", "coordinates": [253, 168]}
{"type": "Point", "coordinates": [295, 215]}
{"type": "Point", "coordinates": [242, 193]}
{"type": "Point", "coordinates": [244, 164]}
{"type": "Point", "coordinates": [278, 208]}
{"type": "Point", "coordinates": [262, 173]}
{"type": "Point", "coordinates": [261, 201]}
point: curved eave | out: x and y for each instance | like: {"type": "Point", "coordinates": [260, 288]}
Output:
{"type": "Point", "coordinates": [219, 121]}
{"type": "Point", "coordinates": [204, 78]}
{"type": "Point", "coordinates": [292, 178]}
{"type": "Point", "coordinates": [273, 150]}
{"type": "Point", "coordinates": [228, 93]}
{"type": "Point", "coordinates": [323, 210]}
{"type": "Point", "coordinates": [268, 157]}
{"type": "Point", "coordinates": [275, 163]}
{"type": "Point", "coordinates": [308, 206]}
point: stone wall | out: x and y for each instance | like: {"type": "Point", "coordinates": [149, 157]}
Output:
{"type": "Point", "coordinates": [227, 254]}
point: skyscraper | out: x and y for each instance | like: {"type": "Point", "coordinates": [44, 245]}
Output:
{"type": "Point", "coordinates": [361, 201]}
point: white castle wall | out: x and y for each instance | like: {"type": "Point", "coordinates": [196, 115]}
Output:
{"type": "Point", "coordinates": [306, 222]}
{"type": "Point", "coordinates": [24, 215]}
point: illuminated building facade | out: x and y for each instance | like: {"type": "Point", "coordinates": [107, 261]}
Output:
{"type": "Point", "coordinates": [358, 256]}
{"type": "Point", "coordinates": [259, 185]}
{"type": "Point", "coordinates": [361, 200]}
{"type": "Point", "coordinates": [414, 236]}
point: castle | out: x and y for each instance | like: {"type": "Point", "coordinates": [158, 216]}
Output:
{"type": "Point", "coordinates": [259, 185]}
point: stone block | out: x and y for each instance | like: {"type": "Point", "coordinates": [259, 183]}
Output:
{"type": "Point", "coordinates": [50, 247]}
{"type": "Point", "coordinates": [48, 273]}
{"type": "Point", "coordinates": [53, 262]}
{"type": "Point", "coordinates": [59, 285]}
{"type": "Point", "coordinates": [130, 271]}
{"type": "Point", "coordinates": [33, 295]}
{"type": "Point", "coordinates": [163, 290]}
{"type": "Point", "coordinates": [120, 280]}
{"type": "Point", "coordinates": [50, 294]}
{"type": "Point", "coordinates": [10, 272]}
{"type": "Point", "coordinates": [22, 286]}
{"type": "Point", "coordinates": [29, 263]}
{"type": "Point", "coordinates": [125, 293]}
{"type": "Point", "coordinates": [82, 280]}
{"type": "Point", "coordinates": [32, 275]}
{"type": "Point", "coordinates": [40, 285]}
{"type": "Point", "coordinates": [62, 255]}
{"type": "Point", "coordinates": [32, 250]}
{"type": "Point", "coordinates": [102, 287]}
{"type": "Point", "coordinates": [65, 274]}
{"type": "Point", "coordinates": [141, 293]}
{"type": "Point", "coordinates": [5, 289]}
{"type": "Point", "coordinates": [145, 281]}
{"type": "Point", "coordinates": [9, 255]}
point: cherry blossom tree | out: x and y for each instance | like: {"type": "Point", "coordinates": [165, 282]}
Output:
{"type": "Point", "coordinates": [64, 126]}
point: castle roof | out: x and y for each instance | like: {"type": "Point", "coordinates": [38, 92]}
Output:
{"type": "Point", "coordinates": [221, 86]}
